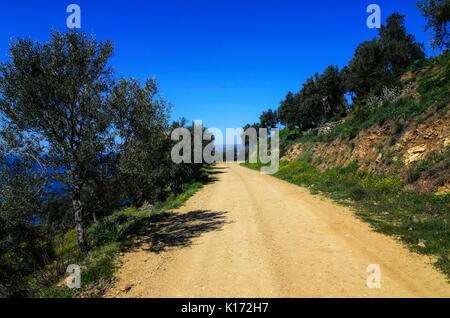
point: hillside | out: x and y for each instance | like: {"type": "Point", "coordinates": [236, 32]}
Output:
{"type": "Point", "coordinates": [389, 159]}
{"type": "Point", "coordinates": [407, 135]}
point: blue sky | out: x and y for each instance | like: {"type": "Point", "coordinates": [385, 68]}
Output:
{"type": "Point", "coordinates": [220, 61]}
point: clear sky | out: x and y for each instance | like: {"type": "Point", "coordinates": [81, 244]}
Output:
{"type": "Point", "coordinates": [220, 61]}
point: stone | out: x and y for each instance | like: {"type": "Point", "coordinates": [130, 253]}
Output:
{"type": "Point", "coordinates": [125, 287]}
{"type": "Point", "coordinates": [379, 158]}
{"type": "Point", "coordinates": [412, 158]}
{"type": "Point", "coordinates": [416, 149]}
{"type": "Point", "coordinates": [422, 243]}
{"type": "Point", "coordinates": [414, 154]}
{"type": "Point", "coordinates": [447, 142]}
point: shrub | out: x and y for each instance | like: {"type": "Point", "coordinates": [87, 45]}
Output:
{"type": "Point", "coordinates": [105, 233]}
{"type": "Point", "coordinates": [103, 268]}
{"type": "Point", "coordinates": [357, 193]}
{"type": "Point", "coordinates": [415, 170]}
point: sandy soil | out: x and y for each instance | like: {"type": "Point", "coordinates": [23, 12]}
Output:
{"type": "Point", "coordinates": [252, 235]}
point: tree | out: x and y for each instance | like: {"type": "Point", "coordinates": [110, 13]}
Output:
{"type": "Point", "coordinates": [245, 140]}
{"type": "Point", "coordinates": [295, 110]}
{"type": "Point", "coordinates": [437, 13]}
{"type": "Point", "coordinates": [56, 91]}
{"type": "Point", "coordinates": [141, 120]}
{"type": "Point", "coordinates": [269, 119]}
{"type": "Point", "coordinates": [381, 60]}
{"type": "Point", "coordinates": [332, 90]}
{"type": "Point", "coordinates": [180, 173]}
{"type": "Point", "coordinates": [23, 246]}
{"type": "Point", "coordinates": [310, 104]}
{"type": "Point", "coordinates": [399, 48]}
{"type": "Point", "coordinates": [321, 97]}
{"type": "Point", "coordinates": [287, 111]}
{"type": "Point", "coordinates": [365, 69]}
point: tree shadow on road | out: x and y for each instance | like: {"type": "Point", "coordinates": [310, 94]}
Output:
{"type": "Point", "coordinates": [178, 230]}
{"type": "Point", "coordinates": [213, 172]}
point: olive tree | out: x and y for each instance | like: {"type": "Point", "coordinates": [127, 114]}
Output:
{"type": "Point", "coordinates": [56, 91]}
{"type": "Point", "coordinates": [141, 118]}
{"type": "Point", "coordinates": [269, 118]}
{"type": "Point", "coordinates": [380, 61]}
{"type": "Point", "coordinates": [23, 245]}
{"type": "Point", "coordinates": [437, 13]}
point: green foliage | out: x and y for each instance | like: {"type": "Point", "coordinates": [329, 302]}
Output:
{"type": "Point", "coordinates": [434, 85]}
{"type": "Point", "coordinates": [64, 118]}
{"type": "Point", "coordinates": [433, 88]}
{"type": "Point", "coordinates": [392, 111]}
{"type": "Point", "coordinates": [415, 170]}
{"type": "Point", "coordinates": [110, 239]}
{"type": "Point", "coordinates": [269, 119]}
{"type": "Point", "coordinates": [179, 174]}
{"type": "Point", "coordinates": [321, 98]}
{"type": "Point", "coordinates": [417, 167]}
{"type": "Point", "coordinates": [382, 60]}
{"type": "Point", "coordinates": [57, 292]}
{"type": "Point", "coordinates": [399, 48]}
{"type": "Point", "coordinates": [437, 13]}
{"type": "Point", "coordinates": [141, 120]}
{"type": "Point", "coordinates": [380, 201]}
{"type": "Point", "coordinates": [101, 268]}
{"type": "Point", "coordinates": [23, 246]}
{"type": "Point", "coordinates": [104, 233]}
{"type": "Point", "coordinates": [58, 97]}
{"type": "Point", "coordinates": [398, 128]}
{"type": "Point", "coordinates": [100, 264]}
{"type": "Point", "coordinates": [287, 111]}
{"type": "Point", "coordinates": [365, 69]}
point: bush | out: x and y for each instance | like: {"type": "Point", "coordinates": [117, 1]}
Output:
{"type": "Point", "coordinates": [103, 268]}
{"type": "Point", "coordinates": [415, 170]}
{"type": "Point", "coordinates": [357, 193]}
{"type": "Point", "coordinates": [105, 233]}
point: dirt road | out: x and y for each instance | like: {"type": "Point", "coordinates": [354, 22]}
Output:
{"type": "Point", "coordinates": [252, 235]}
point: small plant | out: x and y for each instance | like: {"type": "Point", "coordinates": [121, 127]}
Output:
{"type": "Point", "coordinates": [351, 145]}
{"type": "Point", "coordinates": [398, 127]}
{"type": "Point", "coordinates": [105, 233]}
{"type": "Point", "coordinates": [357, 193]}
{"type": "Point", "coordinates": [415, 170]}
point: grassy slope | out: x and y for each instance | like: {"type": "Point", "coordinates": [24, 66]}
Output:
{"type": "Point", "coordinates": [410, 217]}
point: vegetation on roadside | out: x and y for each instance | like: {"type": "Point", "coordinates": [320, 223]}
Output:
{"type": "Point", "coordinates": [411, 217]}
{"type": "Point", "coordinates": [76, 144]}
{"type": "Point", "coordinates": [401, 95]}
{"type": "Point", "coordinates": [433, 87]}
{"type": "Point", "coordinates": [112, 237]}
